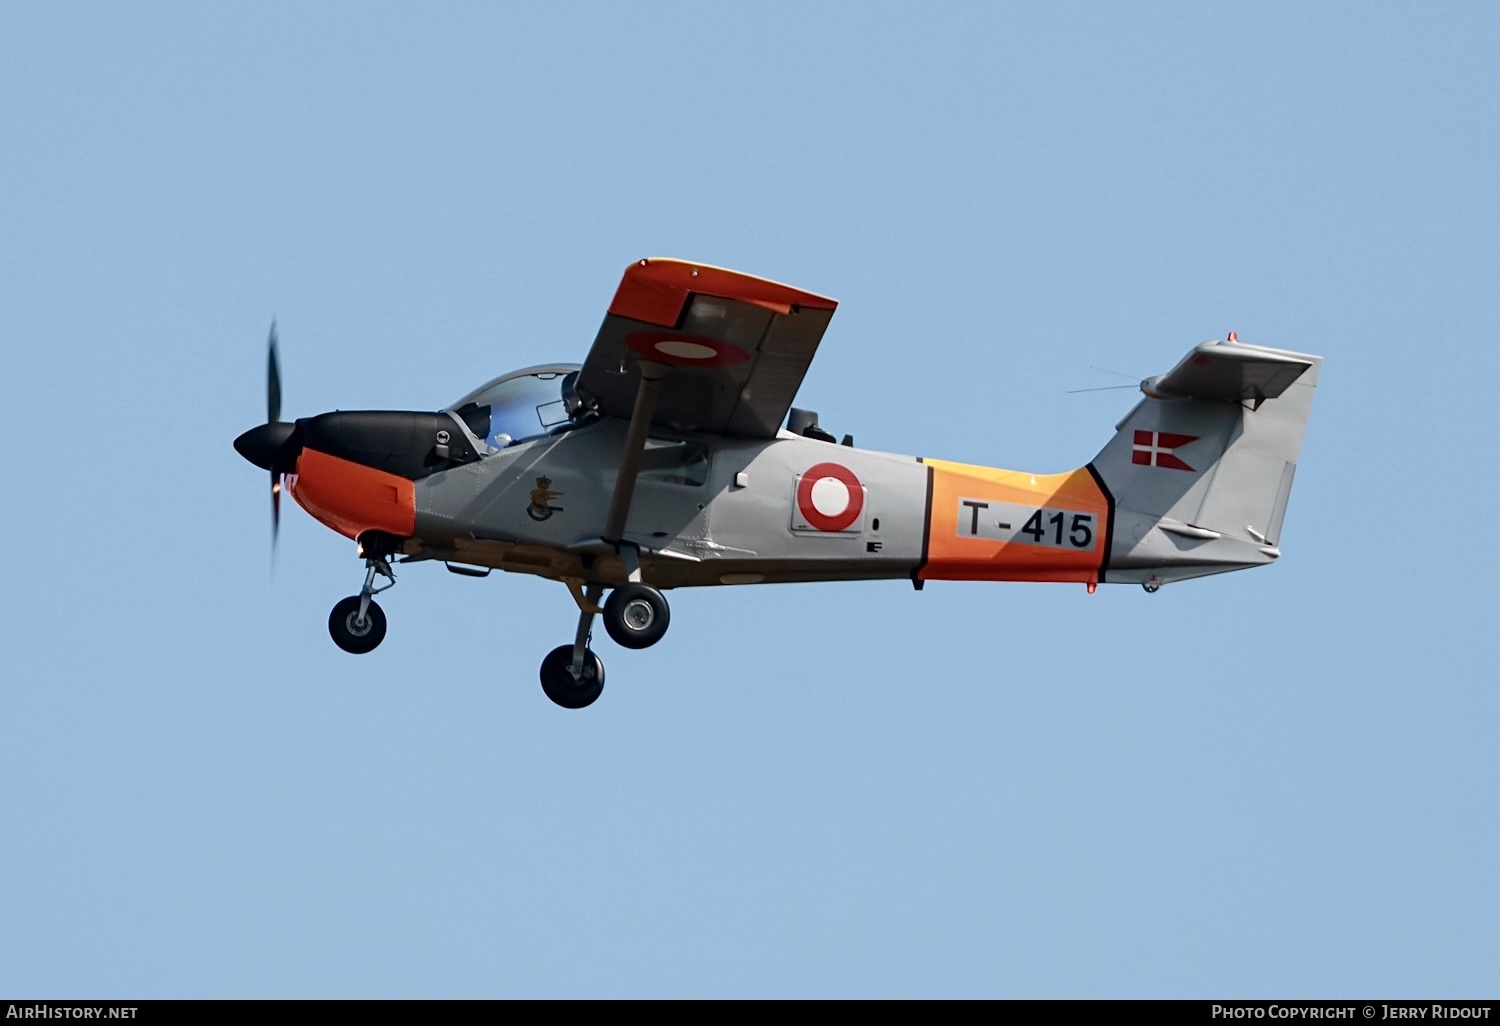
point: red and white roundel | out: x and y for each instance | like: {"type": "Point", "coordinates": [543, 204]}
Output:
{"type": "Point", "coordinates": [830, 497]}
{"type": "Point", "coordinates": [685, 350]}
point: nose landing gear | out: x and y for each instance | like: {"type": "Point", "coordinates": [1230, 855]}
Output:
{"type": "Point", "coordinates": [357, 623]}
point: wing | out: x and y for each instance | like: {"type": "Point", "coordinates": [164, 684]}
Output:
{"type": "Point", "coordinates": [735, 348]}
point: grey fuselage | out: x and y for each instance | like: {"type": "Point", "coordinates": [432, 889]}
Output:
{"type": "Point", "coordinates": [707, 509]}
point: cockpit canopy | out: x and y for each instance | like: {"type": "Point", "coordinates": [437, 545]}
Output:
{"type": "Point", "coordinates": [523, 404]}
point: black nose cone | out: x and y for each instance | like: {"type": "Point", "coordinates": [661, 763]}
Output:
{"type": "Point", "coordinates": [266, 446]}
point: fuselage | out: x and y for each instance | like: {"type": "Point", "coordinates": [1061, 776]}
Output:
{"type": "Point", "coordinates": [707, 509]}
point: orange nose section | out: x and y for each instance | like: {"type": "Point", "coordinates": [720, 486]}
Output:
{"type": "Point", "coordinates": [352, 498]}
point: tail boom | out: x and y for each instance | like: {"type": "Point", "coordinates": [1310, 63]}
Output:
{"type": "Point", "coordinates": [1195, 482]}
{"type": "Point", "coordinates": [987, 524]}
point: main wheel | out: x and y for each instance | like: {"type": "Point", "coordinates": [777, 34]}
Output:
{"type": "Point", "coordinates": [636, 615]}
{"type": "Point", "coordinates": [352, 634]}
{"type": "Point", "coordinates": [562, 687]}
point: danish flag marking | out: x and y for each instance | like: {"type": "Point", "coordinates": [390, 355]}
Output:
{"type": "Point", "coordinates": [1154, 449]}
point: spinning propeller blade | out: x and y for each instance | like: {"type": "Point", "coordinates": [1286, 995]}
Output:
{"type": "Point", "coordinates": [273, 415]}
{"type": "Point", "coordinates": [273, 379]}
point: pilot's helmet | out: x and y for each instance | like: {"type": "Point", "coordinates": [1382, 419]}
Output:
{"type": "Point", "coordinates": [572, 401]}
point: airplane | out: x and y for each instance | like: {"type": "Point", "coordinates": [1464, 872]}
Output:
{"type": "Point", "coordinates": [672, 457]}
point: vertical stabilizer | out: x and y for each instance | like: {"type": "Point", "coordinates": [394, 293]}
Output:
{"type": "Point", "coordinates": [1201, 470]}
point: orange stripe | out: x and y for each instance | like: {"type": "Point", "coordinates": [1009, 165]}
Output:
{"type": "Point", "coordinates": [954, 554]}
{"type": "Point", "coordinates": [352, 498]}
{"type": "Point", "coordinates": [656, 290]}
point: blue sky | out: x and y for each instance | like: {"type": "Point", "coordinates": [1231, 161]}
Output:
{"type": "Point", "coordinates": [1276, 783]}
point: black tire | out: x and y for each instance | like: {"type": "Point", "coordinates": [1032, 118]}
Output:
{"type": "Point", "coordinates": [352, 636]}
{"type": "Point", "coordinates": [560, 684]}
{"type": "Point", "coordinates": [636, 615]}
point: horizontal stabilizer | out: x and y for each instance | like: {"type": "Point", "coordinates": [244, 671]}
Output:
{"type": "Point", "coordinates": [1230, 371]}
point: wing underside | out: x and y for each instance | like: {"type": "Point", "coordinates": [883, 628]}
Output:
{"type": "Point", "coordinates": [735, 348]}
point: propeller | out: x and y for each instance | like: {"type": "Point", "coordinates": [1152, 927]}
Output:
{"type": "Point", "coordinates": [273, 416]}
{"type": "Point", "coordinates": [274, 445]}
{"type": "Point", "coordinates": [273, 379]}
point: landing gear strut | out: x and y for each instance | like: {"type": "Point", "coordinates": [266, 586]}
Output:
{"type": "Point", "coordinates": [357, 623]}
{"type": "Point", "coordinates": [572, 675]}
{"type": "Point", "coordinates": [636, 616]}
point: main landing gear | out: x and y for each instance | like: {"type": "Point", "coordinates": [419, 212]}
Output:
{"type": "Point", "coordinates": [357, 623]}
{"type": "Point", "coordinates": [635, 616]}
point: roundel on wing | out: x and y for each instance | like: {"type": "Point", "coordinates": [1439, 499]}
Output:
{"type": "Point", "coordinates": [830, 497]}
{"type": "Point", "coordinates": [681, 350]}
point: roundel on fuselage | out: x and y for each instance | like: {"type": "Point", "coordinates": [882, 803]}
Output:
{"type": "Point", "coordinates": [830, 497]}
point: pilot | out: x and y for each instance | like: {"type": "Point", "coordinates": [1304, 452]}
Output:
{"type": "Point", "coordinates": [579, 409]}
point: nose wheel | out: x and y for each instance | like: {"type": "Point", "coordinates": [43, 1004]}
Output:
{"type": "Point", "coordinates": [357, 623]}
{"type": "Point", "coordinates": [354, 633]}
